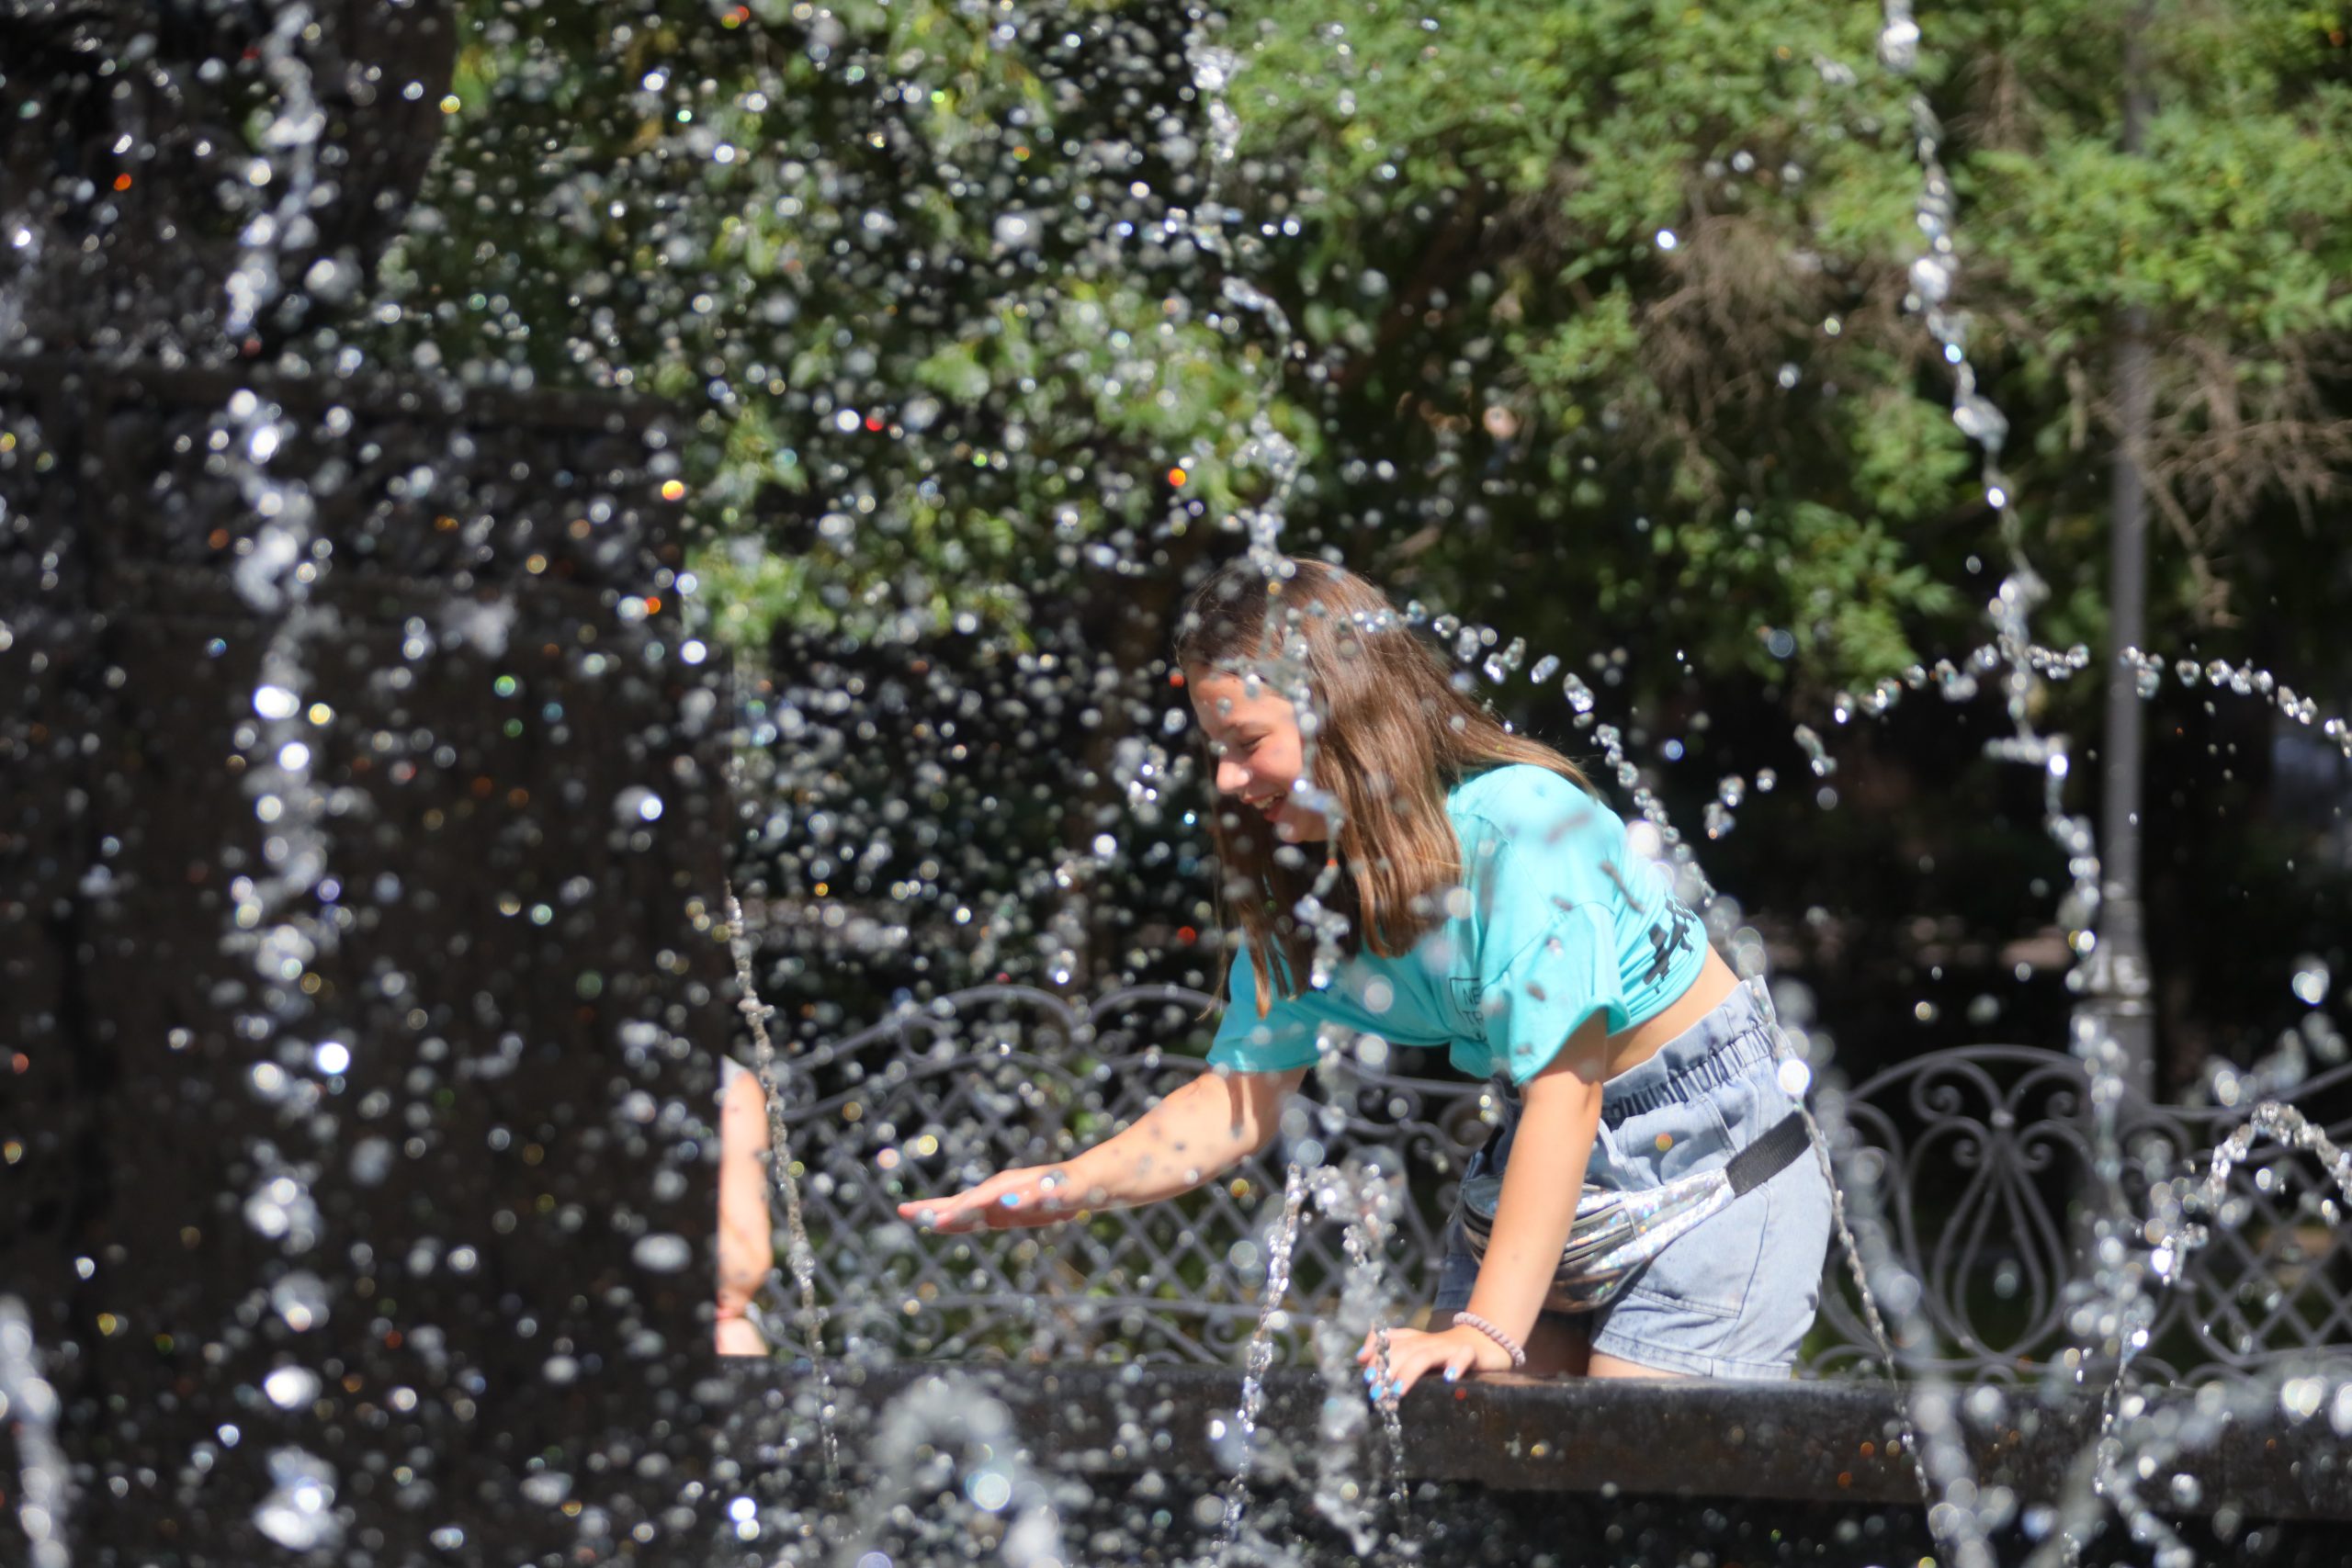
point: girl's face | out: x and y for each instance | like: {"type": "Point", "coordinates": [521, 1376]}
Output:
{"type": "Point", "coordinates": [1258, 756]}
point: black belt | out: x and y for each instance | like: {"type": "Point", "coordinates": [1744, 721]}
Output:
{"type": "Point", "coordinates": [1767, 1156]}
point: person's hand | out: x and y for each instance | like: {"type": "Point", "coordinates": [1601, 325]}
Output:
{"type": "Point", "coordinates": [1032, 1195]}
{"type": "Point", "coordinates": [1412, 1353]}
{"type": "Point", "coordinates": [739, 1336]}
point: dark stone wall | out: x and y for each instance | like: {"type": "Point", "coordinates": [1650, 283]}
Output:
{"type": "Point", "coordinates": [125, 164]}
{"type": "Point", "coordinates": [527, 974]}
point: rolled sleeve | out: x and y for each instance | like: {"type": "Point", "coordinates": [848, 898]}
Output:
{"type": "Point", "coordinates": [1547, 990]}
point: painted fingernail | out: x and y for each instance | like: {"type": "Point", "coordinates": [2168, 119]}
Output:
{"type": "Point", "coordinates": [1451, 1373]}
{"type": "Point", "coordinates": [1012, 1200]}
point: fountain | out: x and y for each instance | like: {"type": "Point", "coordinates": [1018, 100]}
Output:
{"type": "Point", "coordinates": [369, 927]}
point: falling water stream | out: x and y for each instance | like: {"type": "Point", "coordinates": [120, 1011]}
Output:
{"type": "Point", "coordinates": [283, 915]}
{"type": "Point", "coordinates": [799, 1255]}
{"type": "Point", "coordinates": [29, 1406]}
{"type": "Point", "coordinates": [1259, 1359]}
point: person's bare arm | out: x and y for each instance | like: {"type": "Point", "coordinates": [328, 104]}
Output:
{"type": "Point", "coordinates": [1196, 1132]}
{"type": "Point", "coordinates": [1559, 1120]}
{"type": "Point", "coordinates": [746, 1243]}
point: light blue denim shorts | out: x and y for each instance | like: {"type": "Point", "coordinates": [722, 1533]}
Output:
{"type": "Point", "coordinates": [1734, 1297]}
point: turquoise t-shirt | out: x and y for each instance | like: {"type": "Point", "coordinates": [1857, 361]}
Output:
{"type": "Point", "coordinates": [1557, 918]}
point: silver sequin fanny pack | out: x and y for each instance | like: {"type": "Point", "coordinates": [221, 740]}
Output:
{"type": "Point", "coordinates": [1615, 1233]}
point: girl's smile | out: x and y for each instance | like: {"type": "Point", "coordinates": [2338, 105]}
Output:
{"type": "Point", "coordinates": [1259, 754]}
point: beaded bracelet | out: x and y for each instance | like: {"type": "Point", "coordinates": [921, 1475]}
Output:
{"type": "Point", "coordinates": [1518, 1356]}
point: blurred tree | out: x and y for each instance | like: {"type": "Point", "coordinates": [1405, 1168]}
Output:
{"type": "Point", "coordinates": [1602, 301]}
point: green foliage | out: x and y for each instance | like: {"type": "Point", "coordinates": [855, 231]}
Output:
{"type": "Point", "coordinates": [1602, 301]}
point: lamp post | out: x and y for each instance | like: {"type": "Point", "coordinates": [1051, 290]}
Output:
{"type": "Point", "coordinates": [2119, 989]}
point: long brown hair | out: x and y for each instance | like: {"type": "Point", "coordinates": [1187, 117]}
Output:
{"type": "Point", "coordinates": [1394, 734]}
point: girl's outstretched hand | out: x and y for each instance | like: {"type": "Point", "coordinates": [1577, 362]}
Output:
{"type": "Point", "coordinates": [1412, 1353]}
{"type": "Point", "coordinates": [1032, 1195]}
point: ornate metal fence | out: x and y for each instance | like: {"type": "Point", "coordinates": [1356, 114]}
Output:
{"type": "Point", "coordinates": [1979, 1151]}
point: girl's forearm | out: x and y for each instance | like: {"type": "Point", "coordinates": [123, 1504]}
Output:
{"type": "Point", "coordinates": [1541, 1182]}
{"type": "Point", "coordinates": [1194, 1134]}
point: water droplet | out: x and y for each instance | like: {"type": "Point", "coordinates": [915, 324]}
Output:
{"type": "Point", "coordinates": [2300, 1397]}
{"type": "Point", "coordinates": [299, 1514]}
{"type": "Point", "coordinates": [1898, 45]}
{"type": "Point", "coordinates": [1016, 231]}
{"type": "Point", "coordinates": [290, 1387]}
{"type": "Point", "coordinates": [989, 1489]}
{"type": "Point", "coordinates": [663, 1252]}
{"type": "Point", "coordinates": [301, 1298]}
{"type": "Point", "coordinates": [1932, 279]}
{"type": "Point", "coordinates": [1979, 420]}
{"type": "Point", "coordinates": [635, 804]}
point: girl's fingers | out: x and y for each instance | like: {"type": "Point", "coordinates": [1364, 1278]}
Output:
{"type": "Point", "coordinates": [962, 1211]}
{"type": "Point", "coordinates": [949, 1214]}
{"type": "Point", "coordinates": [1407, 1362]}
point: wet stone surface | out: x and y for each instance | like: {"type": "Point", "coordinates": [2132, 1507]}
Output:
{"type": "Point", "coordinates": [1507, 1471]}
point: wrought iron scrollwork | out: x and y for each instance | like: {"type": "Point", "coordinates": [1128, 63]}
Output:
{"type": "Point", "coordinates": [1984, 1159]}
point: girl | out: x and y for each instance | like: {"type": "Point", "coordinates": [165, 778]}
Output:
{"type": "Point", "coordinates": [1494, 906]}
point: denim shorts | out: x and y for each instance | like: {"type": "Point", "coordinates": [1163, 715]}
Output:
{"type": "Point", "coordinates": [1734, 1297]}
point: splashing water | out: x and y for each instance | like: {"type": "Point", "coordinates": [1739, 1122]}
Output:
{"type": "Point", "coordinates": [800, 1255]}
{"type": "Point", "coordinates": [295, 128]}
{"type": "Point", "coordinates": [2134, 1439]}
{"type": "Point", "coordinates": [299, 1514]}
{"type": "Point", "coordinates": [1364, 1195]}
{"type": "Point", "coordinates": [279, 745]}
{"type": "Point", "coordinates": [915, 1454]}
{"type": "Point", "coordinates": [30, 1406]}
{"type": "Point", "coordinates": [1258, 1360]}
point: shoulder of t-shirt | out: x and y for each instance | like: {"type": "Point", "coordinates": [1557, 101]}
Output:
{"type": "Point", "coordinates": [1519, 801]}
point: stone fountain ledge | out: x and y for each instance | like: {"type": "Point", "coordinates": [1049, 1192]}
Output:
{"type": "Point", "coordinates": [1810, 1441]}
